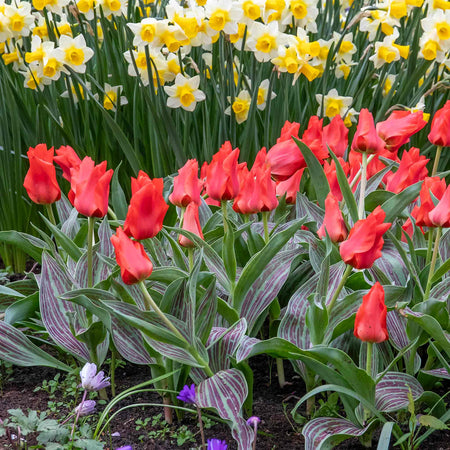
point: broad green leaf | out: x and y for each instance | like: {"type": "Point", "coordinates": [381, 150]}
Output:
{"type": "Point", "coordinates": [432, 422]}
{"type": "Point", "coordinates": [385, 436]}
{"type": "Point", "coordinates": [394, 206]}
{"type": "Point", "coordinates": [22, 309]}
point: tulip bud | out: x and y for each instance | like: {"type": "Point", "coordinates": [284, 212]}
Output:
{"type": "Point", "coordinates": [366, 139]}
{"type": "Point", "coordinates": [333, 223]}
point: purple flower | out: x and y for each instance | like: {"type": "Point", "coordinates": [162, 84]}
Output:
{"type": "Point", "coordinates": [187, 394]}
{"type": "Point", "coordinates": [217, 444]}
{"type": "Point", "coordinates": [91, 380]}
{"type": "Point", "coordinates": [85, 408]}
{"type": "Point", "coordinates": [253, 421]}
{"type": "Point", "coordinates": [125, 447]}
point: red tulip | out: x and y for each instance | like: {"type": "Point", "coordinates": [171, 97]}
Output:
{"type": "Point", "coordinates": [370, 319]}
{"type": "Point", "coordinates": [285, 158]}
{"type": "Point", "coordinates": [147, 208]}
{"type": "Point", "coordinates": [440, 127]}
{"type": "Point", "coordinates": [290, 187]}
{"type": "Point", "coordinates": [408, 229]}
{"type": "Point", "coordinates": [365, 241]}
{"type": "Point", "coordinates": [313, 138]}
{"type": "Point", "coordinates": [40, 180]}
{"type": "Point", "coordinates": [333, 223]}
{"type": "Point", "coordinates": [90, 188]}
{"type": "Point", "coordinates": [421, 213]}
{"type": "Point", "coordinates": [67, 159]}
{"type": "Point", "coordinates": [399, 127]}
{"type": "Point", "coordinates": [366, 139]}
{"type": "Point", "coordinates": [440, 214]}
{"type": "Point", "coordinates": [221, 174]}
{"type": "Point", "coordinates": [335, 136]}
{"type": "Point", "coordinates": [186, 185]}
{"type": "Point", "coordinates": [265, 197]}
{"type": "Point", "coordinates": [246, 190]}
{"type": "Point", "coordinates": [412, 168]}
{"type": "Point", "coordinates": [135, 265]}
{"type": "Point", "coordinates": [191, 222]}
{"type": "Point", "coordinates": [330, 173]}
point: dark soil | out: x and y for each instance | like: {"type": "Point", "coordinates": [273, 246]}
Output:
{"type": "Point", "coordinates": [271, 403]}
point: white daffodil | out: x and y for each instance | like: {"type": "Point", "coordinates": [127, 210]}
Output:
{"type": "Point", "coordinates": [333, 104]}
{"type": "Point", "coordinates": [240, 106]}
{"type": "Point", "coordinates": [388, 51]}
{"type": "Point", "coordinates": [113, 98]}
{"type": "Point", "coordinates": [19, 19]}
{"type": "Point", "coordinates": [264, 40]}
{"type": "Point", "coordinates": [304, 13]}
{"type": "Point", "coordinates": [184, 93]}
{"type": "Point", "coordinates": [263, 92]}
{"type": "Point", "coordinates": [76, 52]}
{"type": "Point", "coordinates": [222, 15]}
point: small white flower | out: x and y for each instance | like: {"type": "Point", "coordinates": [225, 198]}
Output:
{"type": "Point", "coordinates": [184, 93]}
{"type": "Point", "coordinates": [263, 92]}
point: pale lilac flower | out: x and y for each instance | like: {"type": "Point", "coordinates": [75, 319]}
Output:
{"type": "Point", "coordinates": [125, 447]}
{"type": "Point", "coordinates": [187, 394]}
{"type": "Point", "coordinates": [253, 421]}
{"type": "Point", "coordinates": [91, 380]}
{"type": "Point", "coordinates": [85, 408]}
{"type": "Point", "coordinates": [217, 444]}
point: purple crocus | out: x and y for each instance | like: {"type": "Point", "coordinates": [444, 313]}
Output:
{"type": "Point", "coordinates": [187, 394]}
{"type": "Point", "coordinates": [91, 380]}
{"type": "Point", "coordinates": [125, 447]}
{"type": "Point", "coordinates": [217, 444]}
{"type": "Point", "coordinates": [85, 408]}
{"type": "Point", "coordinates": [253, 421]}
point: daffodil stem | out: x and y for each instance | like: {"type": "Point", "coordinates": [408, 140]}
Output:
{"type": "Point", "coordinates": [436, 160]}
{"type": "Point", "coordinates": [265, 218]}
{"type": "Point", "coordinates": [362, 187]}
{"type": "Point", "coordinates": [347, 272]}
{"type": "Point", "coordinates": [151, 304]}
{"type": "Point", "coordinates": [433, 263]}
{"type": "Point", "coordinates": [90, 237]}
{"type": "Point", "coordinates": [50, 214]}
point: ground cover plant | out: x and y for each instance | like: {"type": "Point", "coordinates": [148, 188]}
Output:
{"type": "Point", "coordinates": [288, 198]}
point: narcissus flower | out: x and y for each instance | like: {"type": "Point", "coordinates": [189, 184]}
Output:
{"type": "Point", "coordinates": [186, 185]}
{"type": "Point", "coordinates": [191, 222]}
{"type": "Point", "coordinates": [184, 93]}
{"type": "Point", "coordinates": [366, 139]}
{"type": "Point", "coordinates": [40, 180]}
{"type": "Point", "coordinates": [91, 380]}
{"type": "Point", "coordinates": [240, 106]}
{"type": "Point", "coordinates": [365, 240]}
{"type": "Point", "coordinates": [90, 188]}
{"type": "Point", "coordinates": [147, 208]}
{"type": "Point", "coordinates": [440, 127]}
{"type": "Point", "coordinates": [333, 222]}
{"type": "Point", "coordinates": [135, 265]}
{"type": "Point", "coordinates": [76, 52]}
{"type": "Point", "coordinates": [370, 319]}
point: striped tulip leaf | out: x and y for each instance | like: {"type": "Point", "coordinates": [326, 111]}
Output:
{"type": "Point", "coordinates": [16, 348]}
{"type": "Point", "coordinates": [60, 316]}
{"type": "Point", "coordinates": [226, 392]}
{"type": "Point", "coordinates": [391, 393]}
{"type": "Point", "coordinates": [245, 348]}
{"type": "Point", "coordinates": [327, 432]}
{"type": "Point", "coordinates": [441, 291]}
{"type": "Point", "coordinates": [305, 208]}
{"type": "Point", "coordinates": [206, 311]}
{"type": "Point", "coordinates": [438, 373]}
{"type": "Point", "coordinates": [8, 292]}
{"type": "Point", "coordinates": [70, 226]}
{"type": "Point", "coordinates": [29, 244]}
{"type": "Point", "coordinates": [391, 265]}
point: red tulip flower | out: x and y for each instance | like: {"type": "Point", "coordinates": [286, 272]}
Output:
{"type": "Point", "coordinates": [290, 187]}
{"type": "Point", "coordinates": [147, 208]}
{"type": "Point", "coordinates": [330, 173]}
{"type": "Point", "coordinates": [135, 265]}
{"type": "Point", "coordinates": [440, 127]}
{"type": "Point", "coordinates": [247, 188]}
{"type": "Point", "coordinates": [365, 240]}
{"type": "Point", "coordinates": [440, 214]}
{"type": "Point", "coordinates": [40, 180]}
{"type": "Point", "coordinates": [313, 138]}
{"type": "Point", "coordinates": [421, 213]}
{"type": "Point", "coordinates": [412, 168]}
{"type": "Point", "coordinates": [333, 223]}
{"type": "Point", "coordinates": [399, 127]}
{"type": "Point", "coordinates": [370, 319]}
{"type": "Point", "coordinates": [221, 174]}
{"type": "Point", "coordinates": [67, 159]}
{"type": "Point", "coordinates": [335, 136]}
{"type": "Point", "coordinates": [366, 139]}
{"type": "Point", "coordinates": [191, 222]}
{"type": "Point", "coordinates": [90, 188]}
{"type": "Point", "coordinates": [186, 185]}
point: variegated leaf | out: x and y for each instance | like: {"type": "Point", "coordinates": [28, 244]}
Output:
{"type": "Point", "coordinates": [444, 245]}
{"type": "Point", "coordinates": [391, 393]}
{"type": "Point", "coordinates": [245, 348]}
{"type": "Point", "coordinates": [441, 291]}
{"type": "Point", "coordinates": [392, 265]}
{"type": "Point", "coordinates": [70, 226]}
{"type": "Point", "coordinates": [226, 392]}
{"type": "Point", "coordinates": [439, 373]}
{"type": "Point", "coordinates": [327, 432]}
{"type": "Point", "coordinates": [266, 286]}
{"type": "Point", "coordinates": [206, 311]}
{"type": "Point", "coordinates": [306, 208]}
{"type": "Point", "coordinates": [16, 348]}
{"type": "Point", "coordinates": [55, 312]}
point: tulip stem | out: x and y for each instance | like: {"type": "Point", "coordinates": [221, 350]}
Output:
{"type": "Point", "coordinates": [90, 237]}
{"type": "Point", "coordinates": [150, 303]}
{"type": "Point", "coordinates": [362, 187]}
{"type": "Point", "coordinates": [355, 180]}
{"type": "Point", "coordinates": [436, 160]}
{"type": "Point", "coordinates": [265, 218]}
{"type": "Point", "coordinates": [50, 214]}
{"type": "Point", "coordinates": [433, 263]}
{"type": "Point", "coordinates": [369, 358]}
{"type": "Point", "coordinates": [112, 213]}
{"type": "Point", "coordinates": [339, 289]}
{"type": "Point", "coordinates": [191, 258]}
{"type": "Point", "coordinates": [223, 205]}
{"type": "Point", "coordinates": [430, 245]}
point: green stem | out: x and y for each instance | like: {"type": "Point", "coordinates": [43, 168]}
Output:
{"type": "Point", "coordinates": [339, 288]}
{"type": "Point", "coordinates": [223, 205]}
{"type": "Point", "coordinates": [369, 359]}
{"type": "Point", "coordinates": [265, 218]}
{"type": "Point", "coordinates": [50, 214]}
{"type": "Point", "coordinates": [280, 372]}
{"type": "Point", "coordinates": [111, 213]}
{"type": "Point", "coordinates": [355, 180]}
{"type": "Point", "coordinates": [151, 304]}
{"type": "Point", "coordinates": [436, 160]}
{"type": "Point", "coordinates": [433, 263]}
{"type": "Point", "coordinates": [200, 424]}
{"type": "Point", "coordinates": [362, 187]}
{"type": "Point", "coordinates": [191, 258]}
{"type": "Point", "coordinates": [90, 237]}
{"type": "Point", "coordinates": [430, 245]}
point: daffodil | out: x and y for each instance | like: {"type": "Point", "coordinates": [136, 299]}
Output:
{"type": "Point", "coordinates": [388, 51]}
{"type": "Point", "coordinates": [222, 15]}
{"type": "Point", "coordinates": [263, 93]}
{"type": "Point", "coordinates": [112, 97]}
{"type": "Point", "coordinates": [334, 104]}
{"type": "Point", "coordinates": [76, 52]}
{"type": "Point", "coordinates": [264, 40]}
{"type": "Point", "coordinates": [184, 93]}
{"type": "Point", "coordinates": [304, 14]}
{"type": "Point", "coordinates": [240, 106]}
{"type": "Point", "coordinates": [19, 19]}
